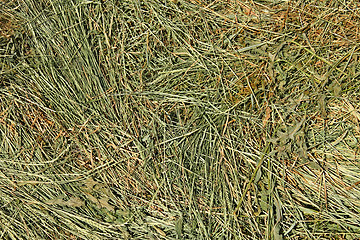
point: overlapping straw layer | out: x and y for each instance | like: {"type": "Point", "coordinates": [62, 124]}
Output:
{"type": "Point", "coordinates": [179, 119]}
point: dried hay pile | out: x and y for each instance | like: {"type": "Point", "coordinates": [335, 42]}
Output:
{"type": "Point", "coordinates": [179, 119]}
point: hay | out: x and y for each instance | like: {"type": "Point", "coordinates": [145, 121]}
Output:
{"type": "Point", "coordinates": [179, 120]}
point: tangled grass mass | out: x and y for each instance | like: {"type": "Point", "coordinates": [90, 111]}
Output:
{"type": "Point", "coordinates": [179, 119]}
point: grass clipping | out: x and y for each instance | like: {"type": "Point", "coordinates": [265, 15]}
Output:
{"type": "Point", "coordinates": [179, 119]}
